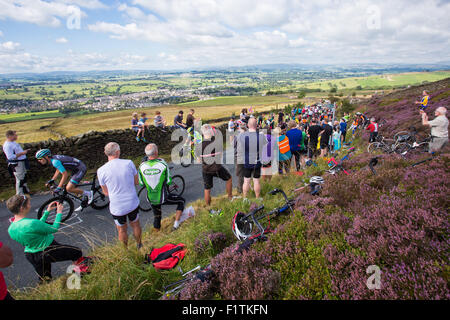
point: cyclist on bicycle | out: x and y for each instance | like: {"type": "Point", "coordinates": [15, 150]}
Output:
{"type": "Point", "coordinates": [154, 174]}
{"type": "Point", "coordinates": [63, 164]}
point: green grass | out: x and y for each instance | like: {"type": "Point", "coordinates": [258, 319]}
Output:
{"type": "Point", "coordinates": [15, 117]}
{"type": "Point", "coordinates": [238, 100]}
{"type": "Point", "coordinates": [121, 274]}
{"type": "Point", "coordinates": [373, 82]}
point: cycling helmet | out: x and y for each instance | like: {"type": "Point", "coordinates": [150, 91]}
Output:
{"type": "Point", "coordinates": [358, 113]}
{"type": "Point", "coordinates": [43, 153]}
{"type": "Point", "coordinates": [242, 229]}
{"type": "Point", "coordinates": [316, 180]}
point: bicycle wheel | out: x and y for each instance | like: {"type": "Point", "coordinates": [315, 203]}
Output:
{"type": "Point", "coordinates": [376, 147]}
{"type": "Point", "coordinates": [186, 156]}
{"type": "Point", "coordinates": [177, 186]}
{"type": "Point", "coordinates": [100, 200]}
{"type": "Point", "coordinates": [144, 204]}
{"type": "Point", "coordinates": [402, 149]}
{"type": "Point", "coordinates": [66, 214]}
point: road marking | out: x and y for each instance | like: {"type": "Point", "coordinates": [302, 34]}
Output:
{"type": "Point", "coordinates": [68, 223]}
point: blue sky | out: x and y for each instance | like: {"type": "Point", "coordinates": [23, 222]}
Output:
{"type": "Point", "coordinates": [169, 34]}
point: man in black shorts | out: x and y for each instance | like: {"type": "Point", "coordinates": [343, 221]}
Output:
{"type": "Point", "coordinates": [211, 164]}
{"type": "Point", "coordinates": [325, 134]}
{"type": "Point", "coordinates": [313, 133]}
{"type": "Point", "coordinates": [250, 146]}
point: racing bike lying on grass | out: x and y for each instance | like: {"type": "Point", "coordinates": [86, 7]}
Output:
{"type": "Point", "coordinates": [249, 227]}
{"type": "Point", "coordinates": [198, 273]}
{"type": "Point", "coordinates": [99, 202]}
{"type": "Point", "coordinates": [336, 167]}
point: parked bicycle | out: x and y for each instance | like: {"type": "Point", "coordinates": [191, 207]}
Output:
{"type": "Point", "coordinates": [414, 146]}
{"type": "Point", "coordinates": [99, 202]}
{"type": "Point", "coordinates": [249, 227]}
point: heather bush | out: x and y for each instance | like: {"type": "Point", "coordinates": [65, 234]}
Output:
{"type": "Point", "coordinates": [212, 243]}
{"type": "Point", "coordinates": [245, 276]}
{"type": "Point", "coordinates": [198, 290]}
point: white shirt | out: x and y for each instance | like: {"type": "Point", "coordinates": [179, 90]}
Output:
{"type": "Point", "coordinates": [118, 176]}
{"type": "Point", "coordinates": [439, 127]}
{"type": "Point", "coordinates": [11, 148]}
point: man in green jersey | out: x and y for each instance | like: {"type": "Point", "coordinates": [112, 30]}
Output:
{"type": "Point", "coordinates": [155, 176]}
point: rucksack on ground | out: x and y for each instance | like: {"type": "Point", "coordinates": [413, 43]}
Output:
{"type": "Point", "coordinates": [84, 265]}
{"type": "Point", "coordinates": [167, 257]}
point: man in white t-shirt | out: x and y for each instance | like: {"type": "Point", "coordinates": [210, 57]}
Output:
{"type": "Point", "coordinates": [118, 178]}
{"type": "Point", "coordinates": [17, 161]}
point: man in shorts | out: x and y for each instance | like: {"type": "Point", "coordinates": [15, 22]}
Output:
{"type": "Point", "coordinates": [250, 146]}
{"type": "Point", "coordinates": [118, 178]}
{"type": "Point", "coordinates": [64, 164]}
{"type": "Point", "coordinates": [211, 164]}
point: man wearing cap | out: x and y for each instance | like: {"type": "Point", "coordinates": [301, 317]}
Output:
{"type": "Point", "coordinates": [17, 161]}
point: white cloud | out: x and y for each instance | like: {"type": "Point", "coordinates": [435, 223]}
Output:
{"type": "Point", "coordinates": [236, 32]}
{"type": "Point", "coordinates": [9, 46]}
{"type": "Point", "coordinates": [289, 30]}
{"type": "Point", "coordinates": [39, 12]}
{"type": "Point", "coordinates": [61, 40]}
{"type": "Point", "coordinates": [88, 4]}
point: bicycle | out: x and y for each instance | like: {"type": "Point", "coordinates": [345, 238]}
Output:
{"type": "Point", "coordinates": [416, 147]}
{"type": "Point", "coordinates": [198, 272]}
{"type": "Point", "coordinates": [386, 145]}
{"type": "Point", "coordinates": [187, 155]}
{"type": "Point", "coordinates": [336, 167]}
{"type": "Point", "coordinates": [243, 224]}
{"type": "Point", "coordinates": [177, 187]}
{"type": "Point", "coordinates": [99, 202]}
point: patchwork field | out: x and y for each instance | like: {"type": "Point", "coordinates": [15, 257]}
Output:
{"type": "Point", "coordinates": [37, 130]}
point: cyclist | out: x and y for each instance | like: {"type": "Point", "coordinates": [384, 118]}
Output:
{"type": "Point", "coordinates": [154, 174]}
{"type": "Point", "coordinates": [62, 165]}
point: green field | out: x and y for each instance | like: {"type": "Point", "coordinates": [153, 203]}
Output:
{"type": "Point", "coordinates": [380, 82]}
{"type": "Point", "coordinates": [15, 117]}
{"type": "Point", "coordinates": [43, 129]}
{"type": "Point", "coordinates": [242, 100]}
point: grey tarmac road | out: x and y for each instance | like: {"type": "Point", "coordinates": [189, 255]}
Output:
{"type": "Point", "coordinates": [91, 227]}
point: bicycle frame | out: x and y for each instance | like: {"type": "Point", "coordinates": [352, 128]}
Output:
{"type": "Point", "coordinates": [74, 197]}
{"type": "Point", "coordinates": [256, 220]}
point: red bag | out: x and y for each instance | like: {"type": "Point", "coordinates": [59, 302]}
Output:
{"type": "Point", "coordinates": [84, 265]}
{"type": "Point", "coordinates": [166, 257]}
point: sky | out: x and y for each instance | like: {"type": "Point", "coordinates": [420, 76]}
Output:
{"type": "Point", "coordinates": [82, 35]}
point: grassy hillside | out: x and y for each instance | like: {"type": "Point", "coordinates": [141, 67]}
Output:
{"type": "Point", "coordinates": [37, 130]}
{"type": "Point", "coordinates": [381, 81]}
{"type": "Point", "coordinates": [397, 220]}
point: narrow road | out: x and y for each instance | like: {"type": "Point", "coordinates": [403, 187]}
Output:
{"type": "Point", "coordinates": [91, 227]}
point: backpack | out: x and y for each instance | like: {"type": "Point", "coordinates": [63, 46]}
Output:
{"type": "Point", "coordinates": [166, 257]}
{"type": "Point", "coordinates": [84, 265]}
